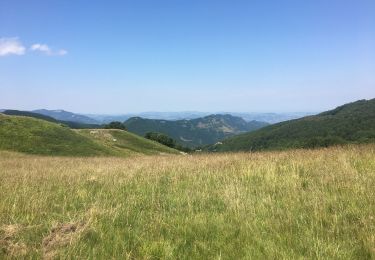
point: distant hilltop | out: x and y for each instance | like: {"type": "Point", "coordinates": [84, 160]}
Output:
{"type": "Point", "coordinates": [346, 124]}
{"type": "Point", "coordinates": [270, 118]}
{"type": "Point", "coordinates": [195, 132]}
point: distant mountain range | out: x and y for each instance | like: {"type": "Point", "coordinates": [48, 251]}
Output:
{"type": "Point", "coordinates": [63, 115]}
{"type": "Point", "coordinates": [194, 132]}
{"type": "Point", "coordinates": [149, 115]}
{"type": "Point", "coordinates": [347, 124]}
{"type": "Point", "coordinates": [67, 116]}
{"type": "Point", "coordinates": [350, 123]}
{"type": "Point", "coordinates": [264, 117]}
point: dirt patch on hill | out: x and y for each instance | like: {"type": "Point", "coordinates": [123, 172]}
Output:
{"type": "Point", "coordinates": [8, 243]}
{"type": "Point", "coordinates": [61, 235]}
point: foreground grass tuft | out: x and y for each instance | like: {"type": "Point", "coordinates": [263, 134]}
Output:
{"type": "Point", "coordinates": [295, 204]}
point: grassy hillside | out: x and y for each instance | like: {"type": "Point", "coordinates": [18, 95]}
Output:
{"type": "Point", "coordinates": [350, 123]}
{"type": "Point", "coordinates": [194, 132]}
{"type": "Point", "coordinates": [29, 135]}
{"type": "Point", "coordinates": [122, 142]}
{"type": "Point", "coordinates": [34, 136]}
{"type": "Point", "coordinates": [300, 204]}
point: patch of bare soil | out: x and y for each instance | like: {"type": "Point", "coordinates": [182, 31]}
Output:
{"type": "Point", "coordinates": [61, 235]}
{"type": "Point", "coordinates": [8, 245]}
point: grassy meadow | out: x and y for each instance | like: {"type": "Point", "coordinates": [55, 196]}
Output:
{"type": "Point", "coordinates": [273, 205]}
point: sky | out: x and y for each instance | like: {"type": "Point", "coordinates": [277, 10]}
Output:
{"type": "Point", "coordinates": [186, 55]}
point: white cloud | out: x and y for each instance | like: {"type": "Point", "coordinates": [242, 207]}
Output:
{"type": "Point", "coordinates": [11, 46]}
{"type": "Point", "coordinates": [47, 50]}
{"type": "Point", "coordinates": [40, 47]}
{"type": "Point", "coordinates": [61, 52]}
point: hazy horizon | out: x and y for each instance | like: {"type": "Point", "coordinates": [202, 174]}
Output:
{"type": "Point", "coordinates": [156, 111]}
{"type": "Point", "coordinates": [120, 57]}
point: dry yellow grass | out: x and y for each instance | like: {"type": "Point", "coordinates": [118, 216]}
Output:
{"type": "Point", "coordinates": [295, 204]}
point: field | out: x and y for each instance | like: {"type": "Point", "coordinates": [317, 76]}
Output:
{"type": "Point", "coordinates": [295, 204]}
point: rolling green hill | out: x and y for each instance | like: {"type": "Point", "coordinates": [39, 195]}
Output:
{"type": "Point", "coordinates": [350, 123]}
{"type": "Point", "coordinates": [194, 132]}
{"type": "Point", "coordinates": [123, 143]}
{"type": "Point", "coordinates": [36, 136]}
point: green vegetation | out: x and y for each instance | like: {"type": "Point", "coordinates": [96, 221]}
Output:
{"type": "Point", "coordinates": [195, 132]}
{"type": "Point", "coordinates": [35, 136]}
{"type": "Point", "coordinates": [299, 204]}
{"type": "Point", "coordinates": [350, 123]}
{"type": "Point", "coordinates": [166, 140]}
{"type": "Point", "coordinates": [115, 125]}
{"type": "Point", "coordinates": [161, 138]}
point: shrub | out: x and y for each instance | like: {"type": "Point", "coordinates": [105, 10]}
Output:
{"type": "Point", "coordinates": [115, 125]}
{"type": "Point", "coordinates": [161, 138]}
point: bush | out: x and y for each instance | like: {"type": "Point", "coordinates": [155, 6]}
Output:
{"type": "Point", "coordinates": [167, 141]}
{"type": "Point", "coordinates": [161, 138]}
{"type": "Point", "coordinates": [115, 125]}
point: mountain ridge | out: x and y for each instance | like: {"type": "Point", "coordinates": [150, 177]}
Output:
{"type": "Point", "coordinates": [63, 115]}
{"type": "Point", "coordinates": [350, 123]}
{"type": "Point", "coordinates": [194, 132]}
{"type": "Point", "coordinates": [269, 117]}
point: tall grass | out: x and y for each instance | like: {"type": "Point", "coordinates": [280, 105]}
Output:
{"type": "Point", "coordinates": [296, 204]}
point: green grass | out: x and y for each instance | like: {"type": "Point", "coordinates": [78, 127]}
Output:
{"type": "Point", "coordinates": [317, 204]}
{"type": "Point", "coordinates": [35, 136]}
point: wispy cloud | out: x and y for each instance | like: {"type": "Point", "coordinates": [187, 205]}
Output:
{"type": "Point", "coordinates": [44, 48]}
{"type": "Point", "coordinates": [11, 46]}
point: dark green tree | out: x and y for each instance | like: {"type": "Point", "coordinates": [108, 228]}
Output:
{"type": "Point", "coordinates": [161, 138]}
{"type": "Point", "coordinates": [115, 125]}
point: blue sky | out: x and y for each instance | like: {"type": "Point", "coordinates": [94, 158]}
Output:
{"type": "Point", "coordinates": [179, 55]}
